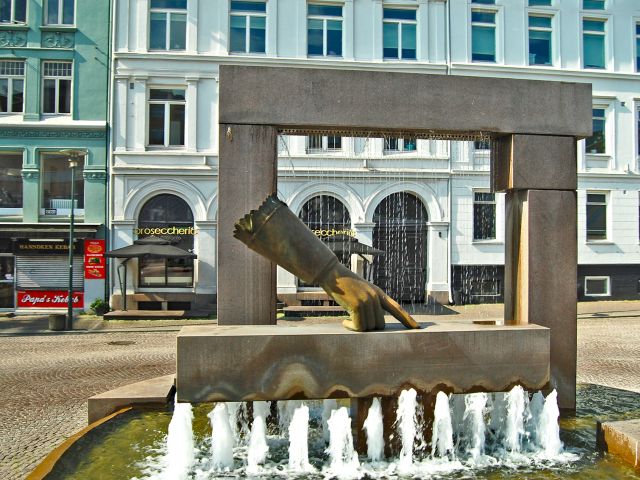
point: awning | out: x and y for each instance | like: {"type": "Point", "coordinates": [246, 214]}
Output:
{"type": "Point", "coordinates": [152, 247]}
{"type": "Point", "coordinates": [47, 230]}
{"type": "Point", "coordinates": [350, 245]}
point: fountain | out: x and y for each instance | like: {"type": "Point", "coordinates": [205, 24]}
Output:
{"type": "Point", "coordinates": [247, 358]}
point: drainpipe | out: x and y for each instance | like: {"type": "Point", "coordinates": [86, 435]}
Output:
{"type": "Point", "coordinates": [447, 11]}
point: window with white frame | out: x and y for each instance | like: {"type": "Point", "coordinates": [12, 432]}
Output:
{"type": "Point", "coordinates": [166, 117]}
{"type": "Point", "coordinates": [482, 145]}
{"type": "Point", "coordinates": [484, 2]}
{"type": "Point", "coordinates": [323, 143]}
{"type": "Point", "coordinates": [593, 4]}
{"type": "Point", "coordinates": [400, 144]}
{"type": "Point", "coordinates": [56, 87]}
{"type": "Point", "coordinates": [59, 12]}
{"type": "Point", "coordinates": [11, 86]}
{"type": "Point", "coordinates": [597, 215]}
{"type": "Point", "coordinates": [540, 42]}
{"type": "Point", "coordinates": [597, 142]}
{"type": "Point", "coordinates": [484, 215]}
{"type": "Point", "coordinates": [483, 36]}
{"type": "Point", "coordinates": [597, 286]}
{"type": "Point", "coordinates": [399, 33]}
{"type": "Point", "coordinates": [540, 3]}
{"type": "Point", "coordinates": [13, 11]}
{"type": "Point", "coordinates": [324, 30]}
{"type": "Point", "coordinates": [56, 183]}
{"type": "Point", "coordinates": [593, 43]}
{"type": "Point", "coordinates": [248, 24]}
{"type": "Point", "coordinates": [637, 46]}
{"type": "Point", "coordinates": [168, 25]}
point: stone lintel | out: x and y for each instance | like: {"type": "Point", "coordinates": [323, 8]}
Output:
{"type": "Point", "coordinates": [246, 363]}
{"type": "Point", "coordinates": [541, 162]}
{"type": "Point", "coordinates": [540, 275]}
{"type": "Point", "coordinates": [336, 99]}
{"type": "Point", "coordinates": [247, 175]}
{"type": "Point", "coordinates": [621, 438]}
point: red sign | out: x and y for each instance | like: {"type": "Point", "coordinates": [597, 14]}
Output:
{"type": "Point", "coordinates": [94, 261]}
{"type": "Point", "coordinates": [48, 299]}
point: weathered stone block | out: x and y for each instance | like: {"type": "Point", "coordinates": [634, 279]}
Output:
{"type": "Point", "coordinates": [307, 98]}
{"type": "Point", "coordinates": [242, 363]}
{"type": "Point", "coordinates": [247, 175]}
{"type": "Point", "coordinates": [540, 275]}
{"type": "Point", "coordinates": [621, 438]}
{"type": "Point", "coordinates": [529, 162]}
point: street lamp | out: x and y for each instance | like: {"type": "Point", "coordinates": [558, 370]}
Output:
{"type": "Point", "coordinates": [73, 156]}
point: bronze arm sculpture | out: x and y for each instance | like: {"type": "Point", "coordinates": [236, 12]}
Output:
{"type": "Point", "coordinates": [276, 233]}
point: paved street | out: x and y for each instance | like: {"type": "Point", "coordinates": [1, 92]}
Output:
{"type": "Point", "coordinates": [46, 378]}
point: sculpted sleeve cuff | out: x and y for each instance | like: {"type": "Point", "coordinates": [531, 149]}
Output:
{"type": "Point", "coordinates": [276, 233]}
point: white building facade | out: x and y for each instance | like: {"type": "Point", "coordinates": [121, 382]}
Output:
{"type": "Point", "coordinates": [425, 203]}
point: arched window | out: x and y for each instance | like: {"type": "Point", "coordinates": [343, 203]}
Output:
{"type": "Point", "coordinates": [401, 232]}
{"type": "Point", "coordinates": [169, 217]}
{"type": "Point", "coordinates": [329, 219]}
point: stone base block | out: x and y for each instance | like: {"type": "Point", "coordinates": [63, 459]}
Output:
{"type": "Point", "coordinates": [622, 439]}
{"type": "Point", "coordinates": [154, 391]}
{"type": "Point", "coordinates": [265, 362]}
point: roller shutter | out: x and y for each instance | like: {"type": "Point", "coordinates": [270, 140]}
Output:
{"type": "Point", "coordinates": [48, 272]}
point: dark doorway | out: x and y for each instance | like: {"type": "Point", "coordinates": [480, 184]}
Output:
{"type": "Point", "coordinates": [401, 232]}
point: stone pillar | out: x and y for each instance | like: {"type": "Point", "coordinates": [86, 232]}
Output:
{"type": "Point", "coordinates": [540, 178]}
{"type": "Point", "coordinates": [271, 46]}
{"type": "Point", "coordinates": [142, 23]}
{"type": "Point", "coordinates": [120, 106]}
{"type": "Point", "coordinates": [349, 23]}
{"type": "Point", "coordinates": [139, 113]}
{"type": "Point", "coordinates": [247, 175]}
{"type": "Point", "coordinates": [438, 262]}
{"type": "Point", "coordinates": [192, 27]}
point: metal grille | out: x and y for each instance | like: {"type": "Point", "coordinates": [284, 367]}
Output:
{"type": "Point", "coordinates": [48, 271]}
{"type": "Point", "coordinates": [423, 135]}
{"type": "Point", "coordinates": [57, 69]}
{"type": "Point", "coordinates": [12, 68]}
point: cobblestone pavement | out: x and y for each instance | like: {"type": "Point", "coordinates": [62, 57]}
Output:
{"type": "Point", "coordinates": [46, 379]}
{"type": "Point", "coordinates": [45, 382]}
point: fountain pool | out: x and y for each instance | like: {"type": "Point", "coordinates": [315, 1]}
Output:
{"type": "Point", "coordinates": [136, 444]}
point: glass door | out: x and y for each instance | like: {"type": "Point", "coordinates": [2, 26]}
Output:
{"type": "Point", "coordinates": [7, 282]}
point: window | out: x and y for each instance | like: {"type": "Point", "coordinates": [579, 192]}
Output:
{"type": "Point", "coordinates": [596, 216]}
{"type": "Point", "coordinates": [59, 12]}
{"type": "Point", "coordinates": [593, 39]}
{"type": "Point", "coordinates": [11, 180]}
{"type": "Point", "coordinates": [597, 286]}
{"type": "Point", "coordinates": [11, 86]}
{"type": "Point", "coordinates": [400, 144]}
{"type": "Point", "coordinates": [56, 85]}
{"type": "Point", "coordinates": [168, 25]}
{"type": "Point", "coordinates": [483, 36]}
{"type": "Point", "coordinates": [248, 26]}
{"type": "Point", "coordinates": [540, 32]}
{"type": "Point", "coordinates": [168, 212]}
{"type": "Point", "coordinates": [13, 11]}
{"type": "Point", "coordinates": [638, 130]}
{"type": "Point", "coordinates": [399, 33]}
{"type": "Point", "coordinates": [484, 216]}
{"type": "Point", "coordinates": [482, 145]}
{"type": "Point", "coordinates": [56, 184]}
{"type": "Point", "coordinates": [637, 47]}
{"type": "Point", "coordinates": [596, 143]}
{"type": "Point", "coordinates": [324, 30]}
{"type": "Point", "coordinates": [166, 117]}
{"type": "Point", "coordinates": [323, 143]}
{"type": "Point", "coordinates": [484, 2]}
{"type": "Point", "coordinates": [540, 3]}
{"type": "Point", "coordinates": [593, 4]}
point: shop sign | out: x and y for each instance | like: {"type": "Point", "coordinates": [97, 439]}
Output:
{"type": "Point", "coordinates": [48, 299]}
{"type": "Point", "coordinates": [165, 231]}
{"type": "Point", "coordinates": [94, 261]}
{"type": "Point", "coordinates": [41, 247]}
{"type": "Point", "coordinates": [332, 232]}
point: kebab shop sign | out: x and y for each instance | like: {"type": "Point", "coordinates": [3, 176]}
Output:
{"type": "Point", "coordinates": [48, 299]}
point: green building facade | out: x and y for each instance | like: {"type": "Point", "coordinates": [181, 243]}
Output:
{"type": "Point", "coordinates": [54, 74]}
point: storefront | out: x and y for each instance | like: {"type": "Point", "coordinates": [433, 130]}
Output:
{"type": "Point", "coordinates": [34, 267]}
